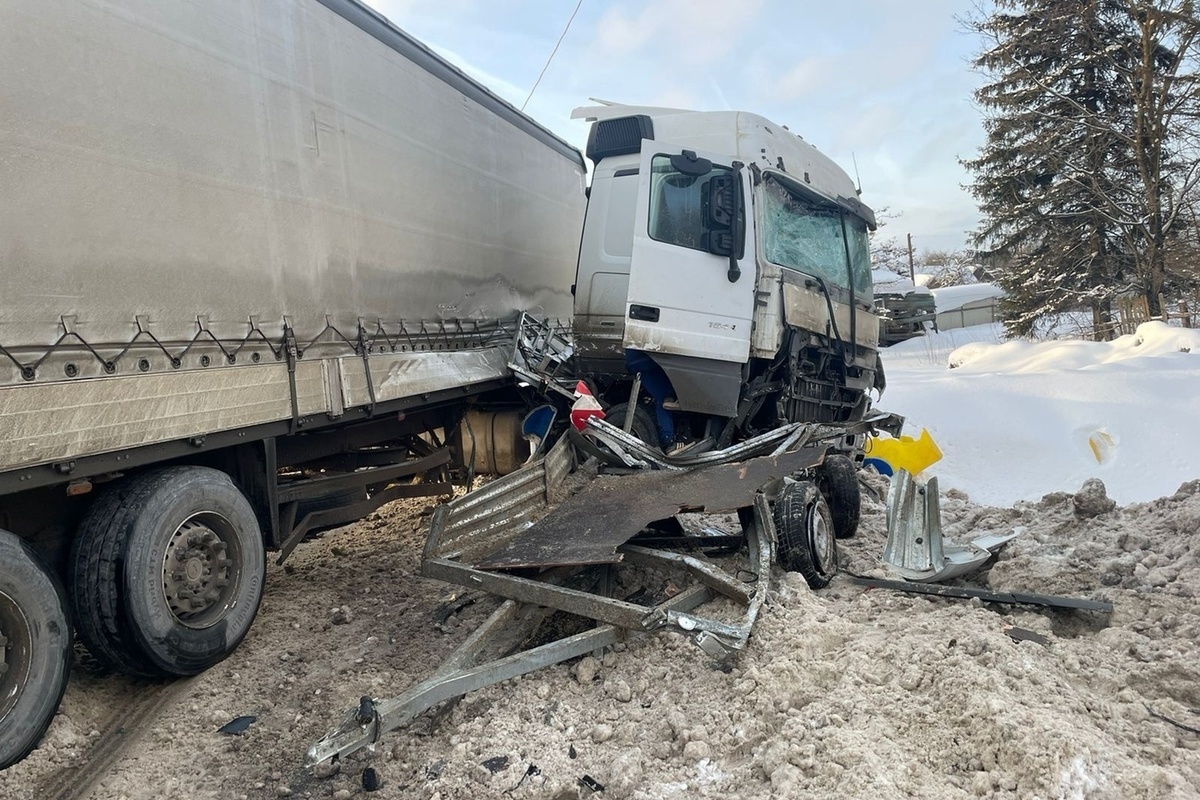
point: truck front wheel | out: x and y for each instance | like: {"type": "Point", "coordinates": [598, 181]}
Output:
{"type": "Point", "coordinates": [168, 572]}
{"type": "Point", "coordinates": [804, 527]}
{"type": "Point", "coordinates": [35, 648]}
{"type": "Point", "coordinates": [838, 479]}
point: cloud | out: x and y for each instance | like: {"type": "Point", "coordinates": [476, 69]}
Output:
{"type": "Point", "coordinates": [884, 81]}
{"type": "Point", "coordinates": [813, 74]}
{"type": "Point", "coordinates": [689, 32]}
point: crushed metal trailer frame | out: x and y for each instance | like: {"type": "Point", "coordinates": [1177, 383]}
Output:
{"type": "Point", "coordinates": [463, 531]}
{"type": "Point", "coordinates": [562, 547]}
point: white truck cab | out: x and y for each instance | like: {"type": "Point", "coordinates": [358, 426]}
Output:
{"type": "Point", "coordinates": [758, 316]}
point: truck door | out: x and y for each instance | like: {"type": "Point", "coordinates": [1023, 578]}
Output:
{"type": "Point", "coordinates": [686, 296]}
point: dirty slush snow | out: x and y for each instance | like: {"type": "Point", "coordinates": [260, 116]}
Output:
{"type": "Point", "coordinates": [843, 692]}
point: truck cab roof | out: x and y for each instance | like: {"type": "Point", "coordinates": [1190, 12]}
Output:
{"type": "Point", "coordinates": [748, 137]}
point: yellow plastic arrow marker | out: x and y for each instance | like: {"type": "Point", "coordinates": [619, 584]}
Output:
{"type": "Point", "coordinates": [905, 452]}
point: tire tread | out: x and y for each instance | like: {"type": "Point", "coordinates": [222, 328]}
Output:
{"type": "Point", "coordinates": [838, 481]}
{"type": "Point", "coordinates": [97, 559]}
{"type": "Point", "coordinates": [23, 728]}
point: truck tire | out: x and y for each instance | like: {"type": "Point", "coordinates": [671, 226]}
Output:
{"type": "Point", "coordinates": [643, 427]}
{"type": "Point", "coordinates": [806, 543]}
{"type": "Point", "coordinates": [838, 480]}
{"type": "Point", "coordinates": [92, 587]}
{"type": "Point", "coordinates": [168, 572]}
{"type": "Point", "coordinates": [35, 648]}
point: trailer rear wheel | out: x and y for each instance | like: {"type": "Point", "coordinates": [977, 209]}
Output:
{"type": "Point", "coordinates": [169, 572]}
{"type": "Point", "coordinates": [35, 648]}
{"type": "Point", "coordinates": [838, 481]}
{"type": "Point", "coordinates": [805, 531]}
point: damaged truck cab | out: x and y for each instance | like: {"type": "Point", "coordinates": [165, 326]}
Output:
{"type": "Point", "coordinates": [733, 255]}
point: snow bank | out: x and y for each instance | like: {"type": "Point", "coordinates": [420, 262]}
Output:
{"type": "Point", "coordinates": [1022, 356]}
{"type": "Point", "coordinates": [1016, 420]}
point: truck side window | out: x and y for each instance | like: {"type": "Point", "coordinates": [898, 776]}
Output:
{"type": "Point", "coordinates": [677, 213]}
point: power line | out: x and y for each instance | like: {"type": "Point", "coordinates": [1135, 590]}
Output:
{"type": "Point", "coordinates": [552, 52]}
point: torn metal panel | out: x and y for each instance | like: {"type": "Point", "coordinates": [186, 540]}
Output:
{"type": "Point", "coordinates": [916, 548]}
{"type": "Point", "coordinates": [474, 525]}
{"type": "Point", "coordinates": [633, 452]}
{"type": "Point", "coordinates": [540, 355]}
{"type": "Point", "coordinates": [590, 526]}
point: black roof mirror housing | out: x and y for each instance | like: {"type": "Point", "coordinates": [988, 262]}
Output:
{"type": "Point", "coordinates": [687, 163]}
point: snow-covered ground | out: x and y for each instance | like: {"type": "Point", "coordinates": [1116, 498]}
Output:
{"type": "Point", "coordinates": [1017, 420]}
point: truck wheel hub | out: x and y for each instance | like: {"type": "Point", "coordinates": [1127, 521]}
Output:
{"type": "Point", "coordinates": [196, 574]}
{"type": "Point", "coordinates": [820, 536]}
{"type": "Point", "coordinates": [15, 657]}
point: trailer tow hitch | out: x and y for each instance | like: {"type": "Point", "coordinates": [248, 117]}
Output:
{"type": "Point", "coordinates": [475, 538]}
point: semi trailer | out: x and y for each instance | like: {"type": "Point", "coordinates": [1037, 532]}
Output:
{"type": "Point", "coordinates": [258, 262]}
{"type": "Point", "coordinates": [252, 256]}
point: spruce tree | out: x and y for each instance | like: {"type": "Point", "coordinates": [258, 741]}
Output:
{"type": "Point", "coordinates": [1087, 177]}
{"type": "Point", "coordinates": [1046, 163]}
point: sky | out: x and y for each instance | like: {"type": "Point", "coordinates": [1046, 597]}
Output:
{"type": "Point", "coordinates": [1017, 420]}
{"type": "Point", "coordinates": [883, 83]}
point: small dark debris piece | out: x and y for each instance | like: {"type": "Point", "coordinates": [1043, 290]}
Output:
{"type": "Point", "coordinates": [591, 783]}
{"type": "Point", "coordinates": [1025, 635]}
{"type": "Point", "coordinates": [238, 726]}
{"type": "Point", "coordinates": [531, 771]}
{"type": "Point", "coordinates": [366, 710]}
{"type": "Point", "coordinates": [496, 763]}
{"type": "Point", "coordinates": [1170, 721]}
{"type": "Point", "coordinates": [572, 752]}
{"type": "Point", "coordinates": [434, 771]}
{"type": "Point", "coordinates": [453, 606]}
{"type": "Point", "coordinates": [370, 779]}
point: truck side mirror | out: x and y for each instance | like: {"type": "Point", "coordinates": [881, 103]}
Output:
{"type": "Point", "coordinates": [720, 214]}
{"type": "Point", "coordinates": [720, 202]}
{"type": "Point", "coordinates": [719, 243]}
